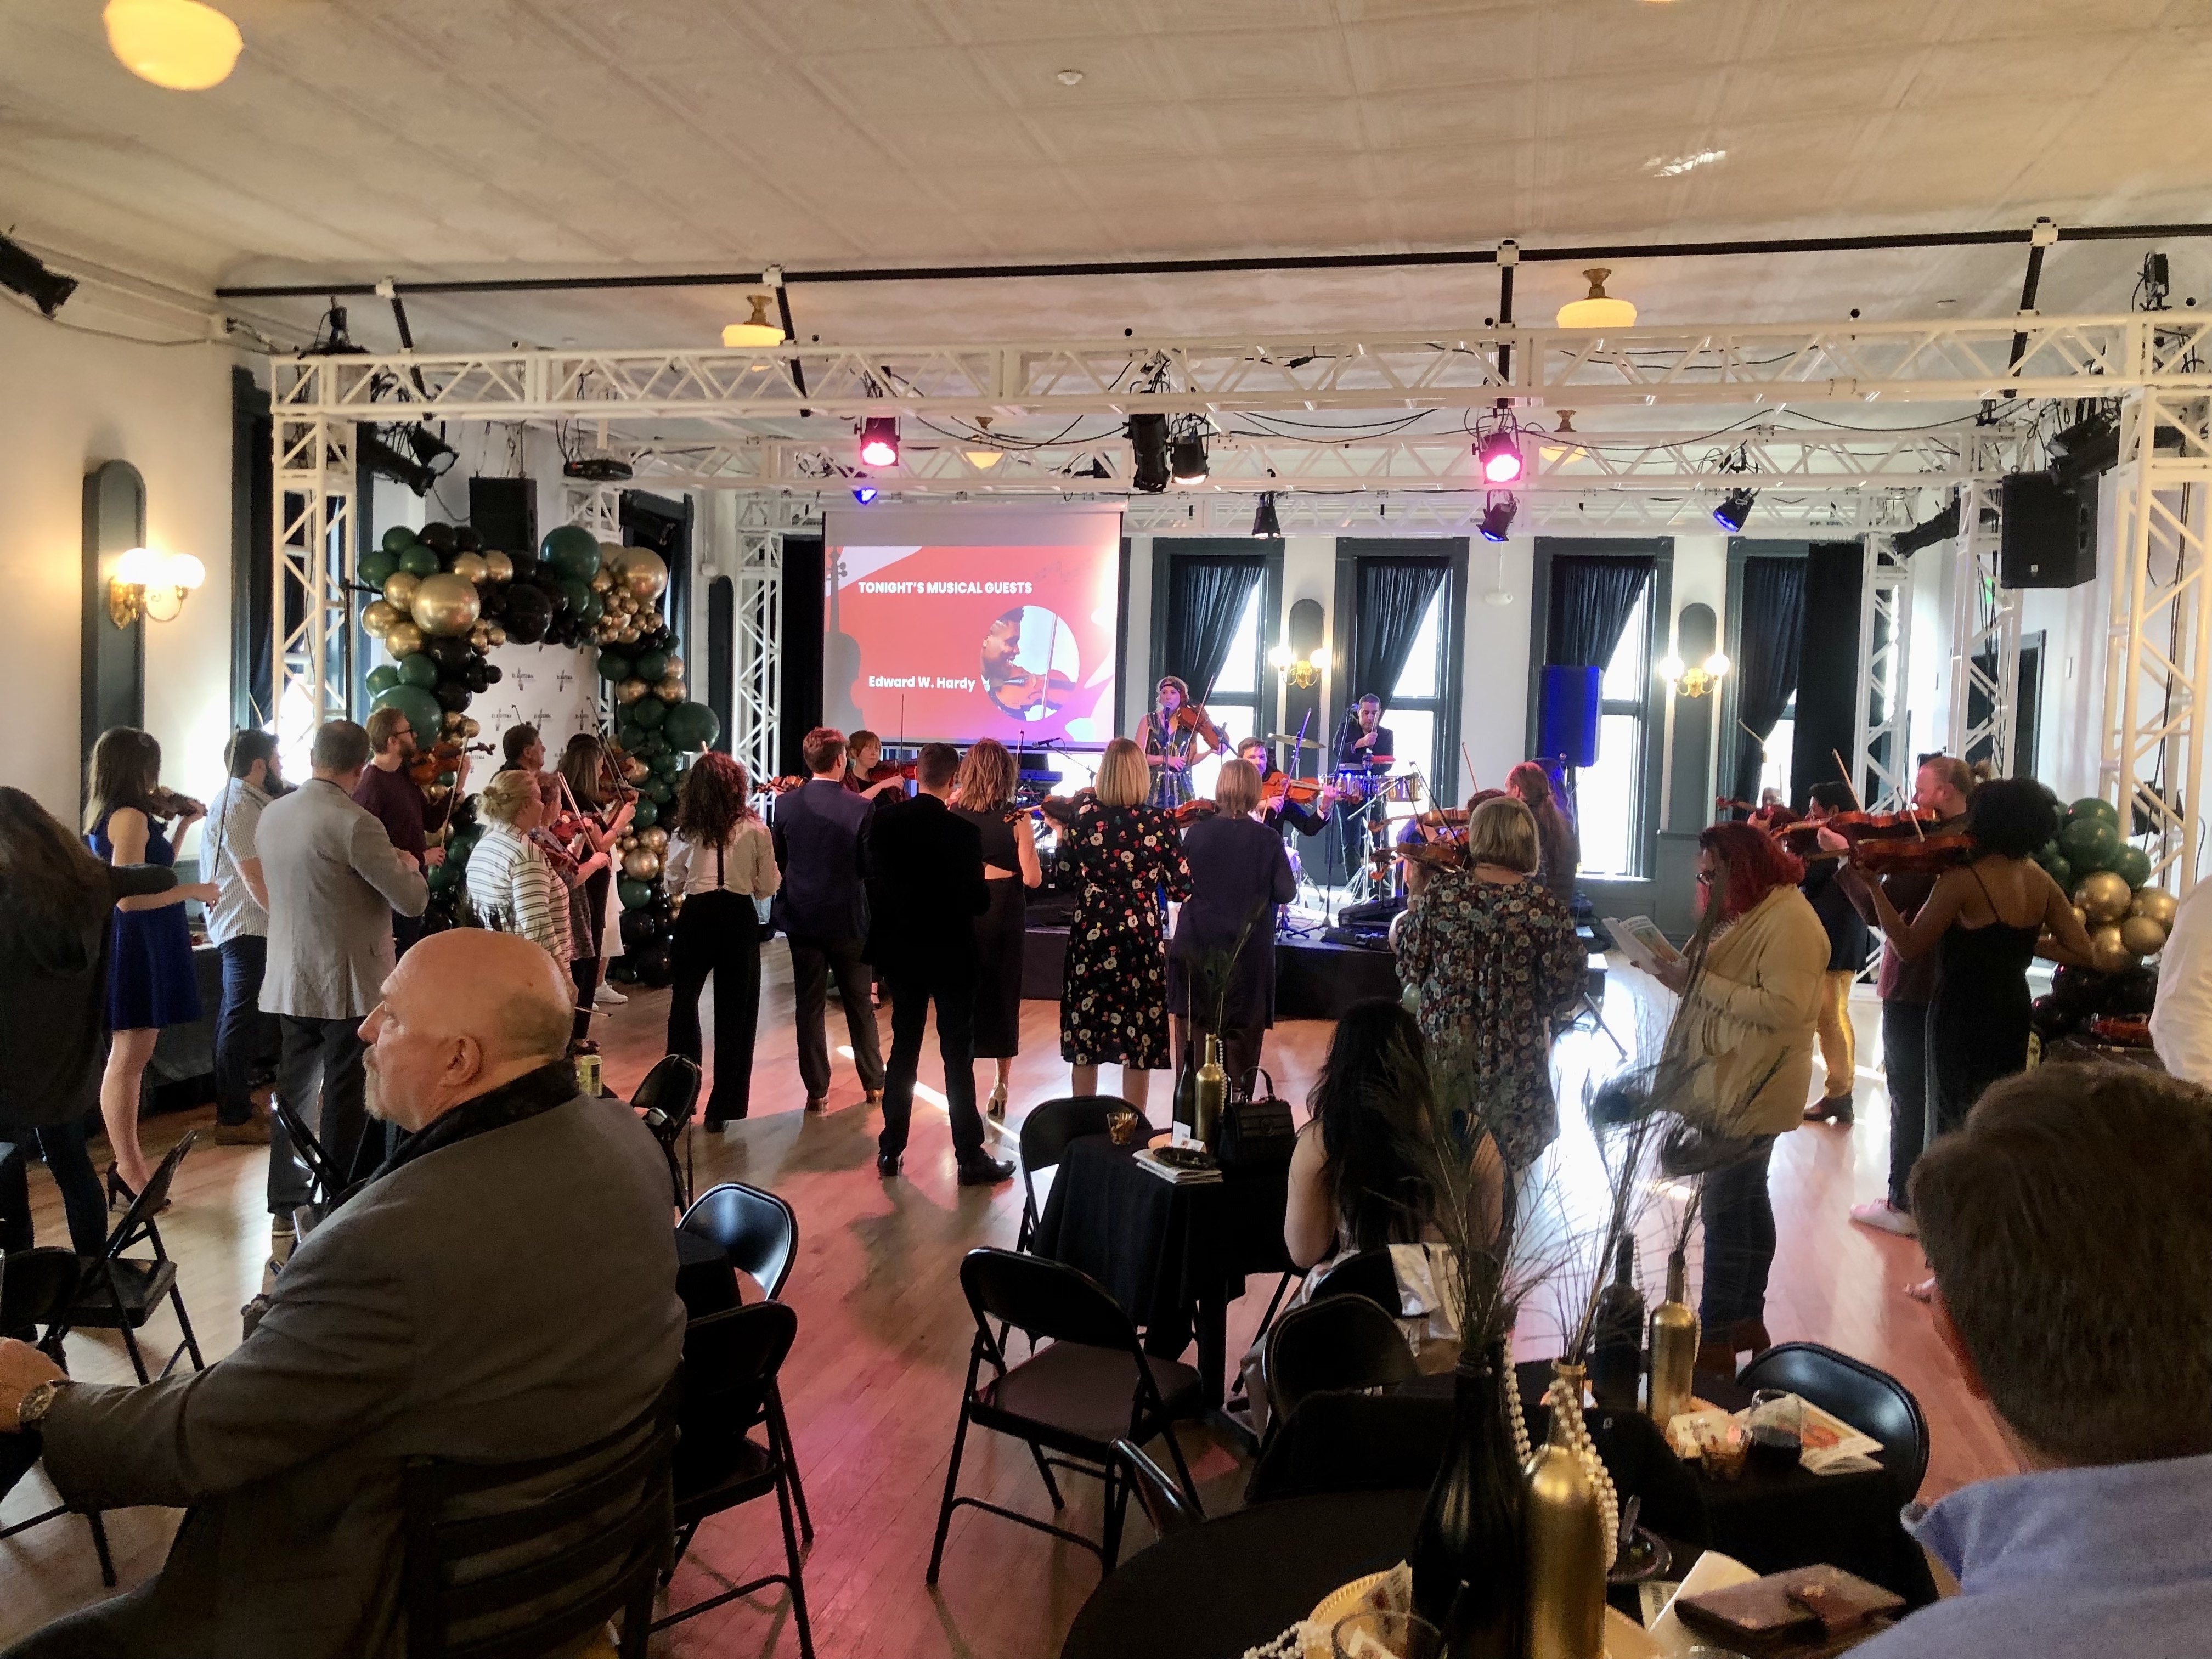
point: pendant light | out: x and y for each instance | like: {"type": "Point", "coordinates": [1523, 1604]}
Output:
{"type": "Point", "coordinates": [1598, 309]}
{"type": "Point", "coordinates": [756, 330]}
{"type": "Point", "coordinates": [178, 44]}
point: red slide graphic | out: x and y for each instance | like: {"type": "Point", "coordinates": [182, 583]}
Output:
{"type": "Point", "coordinates": [957, 643]}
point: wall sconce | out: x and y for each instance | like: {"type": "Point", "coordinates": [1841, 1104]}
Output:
{"type": "Point", "coordinates": [1693, 682]}
{"type": "Point", "coordinates": [142, 575]}
{"type": "Point", "coordinates": [1301, 672]}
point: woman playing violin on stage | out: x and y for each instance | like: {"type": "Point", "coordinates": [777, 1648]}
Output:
{"type": "Point", "coordinates": [865, 775]}
{"type": "Point", "coordinates": [1170, 736]}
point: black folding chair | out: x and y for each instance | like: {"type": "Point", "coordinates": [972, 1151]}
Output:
{"type": "Point", "coordinates": [759, 1234]}
{"type": "Point", "coordinates": [665, 1098]}
{"type": "Point", "coordinates": [730, 1364]}
{"type": "Point", "coordinates": [36, 1288]}
{"type": "Point", "coordinates": [323, 1183]}
{"type": "Point", "coordinates": [1093, 1384]}
{"type": "Point", "coordinates": [1343, 1342]}
{"type": "Point", "coordinates": [1161, 1499]}
{"type": "Point", "coordinates": [1046, 1132]}
{"type": "Point", "coordinates": [1370, 1273]}
{"type": "Point", "coordinates": [121, 1293]}
{"type": "Point", "coordinates": [514, 1560]}
{"type": "Point", "coordinates": [1868, 1400]}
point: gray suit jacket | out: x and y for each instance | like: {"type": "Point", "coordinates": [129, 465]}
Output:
{"type": "Point", "coordinates": [510, 1296]}
{"type": "Point", "coordinates": [334, 881]}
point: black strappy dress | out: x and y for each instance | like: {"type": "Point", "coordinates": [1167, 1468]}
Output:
{"type": "Point", "coordinates": [1977, 1025]}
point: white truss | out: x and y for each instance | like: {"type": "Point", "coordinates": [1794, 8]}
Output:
{"type": "Point", "coordinates": [756, 572]}
{"type": "Point", "coordinates": [312, 570]}
{"type": "Point", "coordinates": [1881, 745]}
{"type": "Point", "coordinates": [1984, 638]}
{"type": "Point", "coordinates": [2158, 664]}
{"type": "Point", "coordinates": [1736, 365]}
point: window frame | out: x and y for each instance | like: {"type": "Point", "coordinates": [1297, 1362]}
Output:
{"type": "Point", "coordinates": [1440, 768]}
{"type": "Point", "coordinates": [1269, 552]}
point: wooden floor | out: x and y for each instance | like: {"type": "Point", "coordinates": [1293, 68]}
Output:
{"type": "Point", "coordinates": [873, 1384]}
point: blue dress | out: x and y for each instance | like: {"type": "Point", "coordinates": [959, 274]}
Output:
{"type": "Point", "coordinates": [149, 956]}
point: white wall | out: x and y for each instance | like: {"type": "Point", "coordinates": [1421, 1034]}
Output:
{"type": "Point", "coordinates": [73, 401]}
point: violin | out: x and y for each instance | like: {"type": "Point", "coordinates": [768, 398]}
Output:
{"type": "Point", "coordinates": [166, 802]}
{"type": "Point", "coordinates": [1191, 810]}
{"type": "Point", "coordinates": [777, 786]}
{"type": "Point", "coordinates": [1059, 809]}
{"type": "Point", "coordinates": [888, 770]}
{"type": "Point", "coordinates": [1278, 790]}
{"type": "Point", "coordinates": [443, 755]}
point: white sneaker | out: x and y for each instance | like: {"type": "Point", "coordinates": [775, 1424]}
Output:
{"type": "Point", "coordinates": [1886, 1217]}
{"type": "Point", "coordinates": [607, 997]}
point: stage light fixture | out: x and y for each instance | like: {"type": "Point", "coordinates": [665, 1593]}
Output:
{"type": "Point", "coordinates": [1264, 521]}
{"type": "Point", "coordinates": [756, 330]}
{"type": "Point", "coordinates": [865, 494]}
{"type": "Point", "coordinates": [879, 440]}
{"type": "Point", "coordinates": [1499, 456]}
{"type": "Point", "coordinates": [1735, 508]}
{"type": "Point", "coordinates": [22, 272]}
{"type": "Point", "coordinates": [1148, 442]}
{"type": "Point", "coordinates": [1187, 455]}
{"type": "Point", "coordinates": [1497, 518]}
{"type": "Point", "coordinates": [382, 458]}
{"type": "Point", "coordinates": [178, 44]}
{"type": "Point", "coordinates": [434, 452]}
{"type": "Point", "coordinates": [1598, 309]}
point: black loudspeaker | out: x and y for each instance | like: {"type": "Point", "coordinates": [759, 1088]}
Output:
{"type": "Point", "coordinates": [2049, 533]}
{"type": "Point", "coordinates": [504, 512]}
{"type": "Point", "coordinates": [1566, 727]}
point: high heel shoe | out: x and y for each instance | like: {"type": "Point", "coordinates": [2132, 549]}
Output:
{"type": "Point", "coordinates": [121, 1196]}
{"type": "Point", "coordinates": [997, 1104]}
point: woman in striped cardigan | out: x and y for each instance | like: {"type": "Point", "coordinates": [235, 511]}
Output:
{"type": "Point", "coordinates": [511, 886]}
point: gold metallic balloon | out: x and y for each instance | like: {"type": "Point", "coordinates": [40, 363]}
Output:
{"type": "Point", "coordinates": [2108, 949]}
{"type": "Point", "coordinates": [402, 639]}
{"type": "Point", "coordinates": [626, 844]}
{"type": "Point", "coordinates": [499, 567]}
{"type": "Point", "coordinates": [629, 634]}
{"type": "Point", "coordinates": [602, 581]}
{"type": "Point", "coordinates": [449, 722]}
{"type": "Point", "coordinates": [2104, 896]}
{"type": "Point", "coordinates": [655, 838]}
{"type": "Point", "coordinates": [445, 604]}
{"type": "Point", "coordinates": [377, 616]}
{"type": "Point", "coordinates": [629, 690]}
{"type": "Point", "coordinates": [633, 770]}
{"type": "Point", "coordinates": [496, 635]}
{"type": "Point", "coordinates": [400, 591]}
{"type": "Point", "coordinates": [674, 669]}
{"type": "Point", "coordinates": [2155, 904]}
{"type": "Point", "coordinates": [643, 572]}
{"type": "Point", "coordinates": [641, 865]}
{"type": "Point", "coordinates": [468, 728]}
{"type": "Point", "coordinates": [670, 689]}
{"type": "Point", "coordinates": [436, 793]}
{"type": "Point", "coordinates": [471, 566]}
{"type": "Point", "coordinates": [611, 554]}
{"type": "Point", "coordinates": [2143, 936]}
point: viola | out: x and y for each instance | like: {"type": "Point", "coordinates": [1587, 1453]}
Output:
{"type": "Point", "coordinates": [166, 802]}
{"type": "Point", "coordinates": [1444, 854]}
{"type": "Point", "coordinates": [443, 755]}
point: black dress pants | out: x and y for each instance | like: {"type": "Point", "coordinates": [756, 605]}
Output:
{"type": "Point", "coordinates": [321, 1075]}
{"type": "Point", "coordinates": [1739, 1240]}
{"type": "Point", "coordinates": [812, 962]}
{"type": "Point", "coordinates": [717, 933]}
{"type": "Point", "coordinates": [915, 986]}
{"type": "Point", "coordinates": [1904, 1068]}
{"type": "Point", "coordinates": [243, 1034]}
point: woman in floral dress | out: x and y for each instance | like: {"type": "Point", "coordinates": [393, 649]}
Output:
{"type": "Point", "coordinates": [1126, 858]}
{"type": "Point", "coordinates": [1493, 959]}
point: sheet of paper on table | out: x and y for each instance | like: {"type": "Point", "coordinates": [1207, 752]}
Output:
{"type": "Point", "coordinates": [1150, 1163]}
{"type": "Point", "coordinates": [1830, 1446]}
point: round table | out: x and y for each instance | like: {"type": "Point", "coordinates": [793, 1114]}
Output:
{"type": "Point", "coordinates": [1231, 1584]}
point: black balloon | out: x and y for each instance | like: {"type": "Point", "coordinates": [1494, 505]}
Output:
{"type": "Point", "coordinates": [438, 537]}
{"type": "Point", "coordinates": [655, 964]}
{"type": "Point", "coordinates": [554, 596]}
{"type": "Point", "coordinates": [466, 540]}
{"type": "Point", "coordinates": [2133, 991]}
{"type": "Point", "coordinates": [493, 674]}
{"type": "Point", "coordinates": [448, 651]}
{"type": "Point", "coordinates": [451, 695]}
{"type": "Point", "coordinates": [529, 613]}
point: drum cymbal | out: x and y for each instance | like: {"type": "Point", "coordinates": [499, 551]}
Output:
{"type": "Point", "coordinates": [1284, 736]}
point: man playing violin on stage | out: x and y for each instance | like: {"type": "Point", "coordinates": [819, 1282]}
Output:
{"type": "Point", "coordinates": [1170, 736]}
{"type": "Point", "coordinates": [1282, 800]}
{"type": "Point", "coordinates": [397, 802]}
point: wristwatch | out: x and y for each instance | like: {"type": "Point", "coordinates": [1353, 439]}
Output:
{"type": "Point", "coordinates": [31, 1410]}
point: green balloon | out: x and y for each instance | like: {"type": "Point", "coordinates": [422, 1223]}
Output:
{"type": "Point", "coordinates": [2090, 844]}
{"type": "Point", "coordinates": [2132, 866]}
{"type": "Point", "coordinates": [2061, 872]}
{"type": "Point", "coordinates": [660, 791]}
{"type": "Point", "coordinates": [594, 606]}
{"type": "Point", "coordinates": [666, 765]}
{"type": "Point", "coordinates": [441, 876]}
{"type": "Point", "coordinates": [417, 560]}
{"type": "Point", "coordinates": [377, 566]}
{"type": "Point", "coordinates": [2089, 807]}
{"type": "Point", "coordinates": [691, 725]}
{"type": "Point", "coordinates": [633, 893]}
{"type": "Point", "coordinates": [580, 595]}
{"type": "Point", "coordinates": [421, 708]}
{"type": "Point", "coordinates": [651, 666]}
{"type": "Point", "coordinates": [572, 550]}
{"type": "Point", "coordinates": [644, 815]}
{"type": "Point", "coordinates": [418, 669]}
{"type": "Point", "coordinates": [648, 712]}
{"type": "Point", "coordinates": [382, 677]}
{"type": "Point", "coordinates": [398, 539]}
{"type": "Point", "coordinates": [612, 667]}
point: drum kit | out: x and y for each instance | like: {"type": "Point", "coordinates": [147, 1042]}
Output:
{"type": "Point", "coordinates": [1366, 796]}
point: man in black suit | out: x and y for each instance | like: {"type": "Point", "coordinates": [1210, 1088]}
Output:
{"type": "Point", "coordinates": [1362, 744]}
{"type": "Point", "coordinates": [823, 910]}
{"type": "Point", "coordinates": [925, 873]}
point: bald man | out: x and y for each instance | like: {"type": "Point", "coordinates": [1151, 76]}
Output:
{"type": "Point", "coordinates": [504, 1287]}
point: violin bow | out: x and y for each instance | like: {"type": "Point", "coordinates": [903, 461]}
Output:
{"type": "Point", "coordinates": [1473, 783]}
{"type": "Point", "coordinates": [1845, 772]}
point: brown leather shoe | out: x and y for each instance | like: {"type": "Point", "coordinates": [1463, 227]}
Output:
{"type": "Point", "coordinates": [817, 1103]}
{"type": "Point", "coordinates": [254, 1132]}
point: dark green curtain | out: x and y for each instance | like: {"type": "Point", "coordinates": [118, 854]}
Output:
{"type": "Point", "coordinates": [1592, 596]}
{"type": "Point", "coordinates": [1389, 598]}
{"type": "Point", "coordinates": [1207, 596]}
{"type": "Point", "coordinates": [1769, 635]}
{"type": "Point", "coordinates": [1827, 667]}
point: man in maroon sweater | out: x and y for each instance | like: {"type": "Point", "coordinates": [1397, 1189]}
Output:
{"type": "Point", "coordinates": [400, 805]}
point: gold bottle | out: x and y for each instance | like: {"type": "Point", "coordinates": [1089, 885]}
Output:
{"type": "Point", "coordinates": [1673, 1348]}
{"type": "Point", "coordinates": [1564, 1525]}
{"type": "Point", "coordinates": [1212, 1092]}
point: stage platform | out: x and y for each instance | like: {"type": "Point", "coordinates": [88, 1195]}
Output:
{"type": "Point", "coordinates": [1314, 979]}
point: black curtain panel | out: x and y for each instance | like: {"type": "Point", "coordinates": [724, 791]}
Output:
{"type": "Point", "coordinates": [803, 651]}
{"type": "Point", "coordinates": [1828, 668]}
{"type": "Point", "coordinates": [1767, 637]}
{"type": "Point", "coordinates": [1591, 601]}
{"type": "Point", "coordinates": [1207, 596]}
{"type": "Point", "coordinates": [1390, 598]}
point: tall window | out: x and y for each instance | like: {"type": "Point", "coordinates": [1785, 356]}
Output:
{"type": "Point", "coordinates": [1235, 705]}
{"type": "Point", "coordinates": [1414, 708]}
{"type": "Point", "coordinates": [1610, 796]}
{"type": "Point", "coordinates": [1774, 771]}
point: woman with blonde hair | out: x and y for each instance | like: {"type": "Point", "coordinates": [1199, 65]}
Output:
{"type": "Point", "coordinates": [1127, 860]}
{"type": "Point", "coordinates": [150, 965]}
{"type": "Point", "coordinates": [720, 860]}
{"type": "Point", "coordinates": [1493, 959]}
{"type": "Point", "coordinates": [1221, 968]}
{"type": "Point", "coordinates": [512, 888]}
{"type": "Point", "coordinates": [984, 793]}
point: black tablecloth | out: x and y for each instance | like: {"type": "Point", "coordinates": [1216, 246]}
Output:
{"type": "Point", "coordinates": [1314, 979]}
{"type": "Point", "coordinates": [1229, 1584]}
{"type": "Point", "coordinates": [704, 1277]}
{"type": "Point", "coordinates": [1172, 1257]}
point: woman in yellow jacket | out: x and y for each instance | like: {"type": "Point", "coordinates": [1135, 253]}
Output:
{"type": "Point", "coordinates": [1748, 1024]}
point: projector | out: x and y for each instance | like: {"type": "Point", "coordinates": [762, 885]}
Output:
{"type": "Point", "coordinates": [597, 469]}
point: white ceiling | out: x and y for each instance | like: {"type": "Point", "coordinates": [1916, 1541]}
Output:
{"type": "Point", "coordinates": [515, 137]}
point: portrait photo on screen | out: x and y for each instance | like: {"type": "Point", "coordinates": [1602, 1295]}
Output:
{"type": "Point", "coordinates": [956, 623]}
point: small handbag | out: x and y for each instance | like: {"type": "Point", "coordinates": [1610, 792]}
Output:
{"type": "Point", "coordinates": [1258, 1131]}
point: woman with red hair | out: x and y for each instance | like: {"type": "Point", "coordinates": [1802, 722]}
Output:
{"type": "Point", "coordinates": [1751, 1018]}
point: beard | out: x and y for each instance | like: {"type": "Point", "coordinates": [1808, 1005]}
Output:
{"type": "Point", "coordinates": [373, 1090]}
